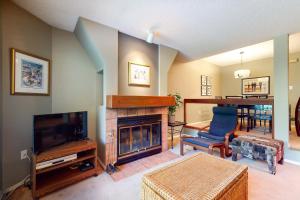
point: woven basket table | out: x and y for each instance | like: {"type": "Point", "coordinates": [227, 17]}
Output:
{"type": "Point", "coordinates": [201, 176]}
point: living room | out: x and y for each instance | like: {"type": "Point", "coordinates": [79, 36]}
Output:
{"type": "Point", "coordinates": [112, 66]}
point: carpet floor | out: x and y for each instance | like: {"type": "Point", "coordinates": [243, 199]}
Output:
{"type": "Point", "coordinates": [262, 185]}
{"type": "Point", "coordinates": [143, 164]}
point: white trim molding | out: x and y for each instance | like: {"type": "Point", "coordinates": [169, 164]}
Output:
{"type": "Point", "coordinates": [292, 162]}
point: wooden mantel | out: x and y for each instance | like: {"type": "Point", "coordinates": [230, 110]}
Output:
{"type": "Point", "coordinates": [118, 101]}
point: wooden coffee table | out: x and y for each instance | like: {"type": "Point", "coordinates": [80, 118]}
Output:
{"type": "Point", "coordinates": [198, 177]}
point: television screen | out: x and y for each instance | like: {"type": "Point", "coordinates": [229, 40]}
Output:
{"type": "Point", "coordinates": [55, 129]}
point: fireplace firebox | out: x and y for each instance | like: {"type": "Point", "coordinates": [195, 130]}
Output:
{"type": "Point", "coordinates": [138, 137]}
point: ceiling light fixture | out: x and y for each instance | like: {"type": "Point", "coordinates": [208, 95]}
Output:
{"type": "Point", "coordinates": [150, 37]}
{"type": "Point", "coordinates": [242, 73]}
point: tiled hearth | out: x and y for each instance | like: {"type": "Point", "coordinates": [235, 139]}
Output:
{"type": "Point", "coordinates": [112, 116]}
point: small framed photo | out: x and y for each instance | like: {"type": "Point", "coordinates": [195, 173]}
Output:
{"type": "Point", "coordinates": [138, 75]}
{"type": "Point", "coordinates": [208, 91]}
{"type": "Point", "coordinates": [203, 90]}
{"type": "Point", "coordinates": [208, 80]}
{"type": "Point", "coordinates": [30, 74]}
{"type": "Point", "coordinates": [203, 80]}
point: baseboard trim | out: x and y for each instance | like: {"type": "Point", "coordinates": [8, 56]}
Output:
{"type": "Point", "coordinates": [13, 187]}
{"type": "Point", "coordinates": [292, 162]}
{"type": "Point", "coordinates": [101, 163]}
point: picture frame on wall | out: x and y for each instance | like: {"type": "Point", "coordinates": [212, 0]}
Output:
{"type": "Point", "coordinates": [208, 91]}
{"type": "Point", "coordinates": [138, 75]}
{"type": "Point", "coordinates": [203, 90]}
{"type": "Point", "coordinates": [203, 80]}
{"type": "Point", "coordinates": [30, 74]}
{"type": "Point", "coordinates": [206, 85]}
{"type": "Point", "coordinates": [256, 86]}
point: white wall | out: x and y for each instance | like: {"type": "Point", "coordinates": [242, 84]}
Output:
{"type": "Point", "coordinates": [185, 79]}
{"type": "Point", "coordinates": [73, 78]}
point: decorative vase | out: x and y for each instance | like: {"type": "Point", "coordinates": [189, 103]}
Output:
{"type": "Point", "coordinates": [171, 118]}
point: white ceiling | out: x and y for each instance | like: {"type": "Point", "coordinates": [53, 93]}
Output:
{"type": "Point", "coordinates": [253, 52]}
{"type": "Point", "coordinates": [197, 28]}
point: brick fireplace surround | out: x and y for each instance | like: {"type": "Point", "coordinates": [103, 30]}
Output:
{"type": "Point", "coordinates": [128, 106]}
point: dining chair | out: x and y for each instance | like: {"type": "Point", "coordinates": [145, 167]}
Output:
{"type": "Point", "coordinates": [263, 113]}
{"type": "Point", "coordinates": [240, 110]}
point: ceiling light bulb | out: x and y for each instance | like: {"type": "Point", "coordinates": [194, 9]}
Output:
{"type": "Point", "coordinates": [242, 73]}
{"type": "Point", "coordinates": [150, 37]}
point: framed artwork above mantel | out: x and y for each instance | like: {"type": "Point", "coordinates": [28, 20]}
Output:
{"type": "Point", "coordinates": [138, 75]}
{"type": "Point", "coordinates": [30, 74]}
{"type": "Point", "coordinates": [256, 86]}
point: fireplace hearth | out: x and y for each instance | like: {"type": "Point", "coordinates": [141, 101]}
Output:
{"type": "Point", "coordinates": [138, 136]}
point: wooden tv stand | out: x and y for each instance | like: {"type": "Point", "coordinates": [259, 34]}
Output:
{"type": "Point", "coordinates": [55, 177]}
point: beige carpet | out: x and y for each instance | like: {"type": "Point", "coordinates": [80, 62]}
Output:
{"type": "Point", "coordinates": [143, 164]}
{"type": "Point", "coordinates": [262, 185]}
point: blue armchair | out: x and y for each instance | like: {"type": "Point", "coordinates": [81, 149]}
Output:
{"type": "Point", "coordinates": [220, 133]}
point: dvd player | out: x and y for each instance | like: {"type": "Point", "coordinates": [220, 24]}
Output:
{"type": "Point", "coordinates": [55, 161]}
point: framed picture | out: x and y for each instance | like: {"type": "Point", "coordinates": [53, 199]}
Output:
{"type": "Point", "coordinates": [206, 87]}
{"type": "Point", "coordinates": [208, 80]}
{"type": "Point", "coordinates": [203, 80]}
{"type": "Point", "coordinates": [30, 74]}
{"type": "Point", "coordinates": [138, 75]}
{"type": "Point", "coordinates": [256, 86]}
{"type": "Point", "coordinates": [203, 90]}
{"type": "Point", "coordinates": [208, 91]}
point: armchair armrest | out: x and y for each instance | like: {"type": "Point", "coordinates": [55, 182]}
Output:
{"type": "Point", "coordinates": [238, 127]}
{"type": "Point", "coordinates": [197, 128]}
{"type": "Point", "coordinates": [227, 137]}
{"type": "Point", "coordinates": [189, 134]}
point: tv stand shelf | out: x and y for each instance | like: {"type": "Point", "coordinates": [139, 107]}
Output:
{"type": "Point", "coordinates": [55, 177]}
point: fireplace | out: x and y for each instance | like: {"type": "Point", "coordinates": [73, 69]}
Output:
{"type": "Point", "coordinates": [135, 127]}
{"type": "Point", "coordinates": [138, 136]}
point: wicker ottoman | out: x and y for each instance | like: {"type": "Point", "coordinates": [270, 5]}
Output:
{"type": "Point", "coordinates": [198, 177]}
{"type": "Point", "coordinates": [259, 148]}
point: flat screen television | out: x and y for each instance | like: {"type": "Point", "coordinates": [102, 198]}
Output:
{"type": "Point", "coordinates": [51, 130]}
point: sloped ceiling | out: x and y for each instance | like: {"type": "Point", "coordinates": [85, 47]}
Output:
{"type": "Point", "coordinates": [253, 52]}
{"type": "Point", "coordinates": [197, 28]}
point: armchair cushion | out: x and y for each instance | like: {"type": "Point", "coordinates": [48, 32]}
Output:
{"type": "Point", "coordinates": [201, 141]}
{"type": "Point", "coordinates": [224, 121]}
{"type": "Point", "coordinates": [210, 136]}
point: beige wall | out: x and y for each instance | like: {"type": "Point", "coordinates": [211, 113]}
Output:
{"type": "Point", "coordinates": [166, 57]}
{"type": "Point", "coordinates": [294, 80]}
{"type": "Point", "coordinates": [101, 44]}
{"type": "Point", "coordinates": [185, 79]}
{"type": "Point", "coordinates": [231, 86]}
{"type": "Point", "coordinates": [74, 78]}
{"type": "Point", "coordinates": [23, 31]}
{"type": "Point", "coordinates": [1, 94]}
{"type": "Point", "coordinates": [135, 50]}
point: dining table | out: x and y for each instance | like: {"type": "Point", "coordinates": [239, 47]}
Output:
{"type": "Point", "coordinates": [232, 101]}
